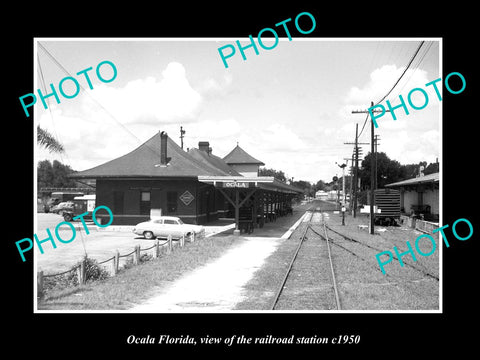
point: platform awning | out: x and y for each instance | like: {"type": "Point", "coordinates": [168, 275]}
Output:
{"type": "Point", "coordinates": [243, 182]}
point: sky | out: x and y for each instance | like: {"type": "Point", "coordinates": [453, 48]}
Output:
{"type": "Point", "coordinates": [290, 107]}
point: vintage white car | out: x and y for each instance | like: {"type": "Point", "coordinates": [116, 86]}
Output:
{"type": "Point", "coordinates": [167, 225]}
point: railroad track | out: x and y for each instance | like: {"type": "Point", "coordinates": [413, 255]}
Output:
{"type": "Point", "coordinates": [310, 274]}
{"type": "Point", "coordinates": [325, 262]}
{"type": "Point", "coordinates": [418, 267]}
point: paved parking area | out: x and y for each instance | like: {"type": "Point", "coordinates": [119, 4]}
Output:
{"type": "Point", "coordinates": [102, 243]}
{"type": "Point", "coordinates": [99, 244]}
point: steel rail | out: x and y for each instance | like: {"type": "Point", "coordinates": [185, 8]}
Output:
{"type": "Point", "coordinates": [294, 257]}
{"type": "Point", "coordinates": [280, 289]}
{"type": "Point", "coordinates": [337, 297]}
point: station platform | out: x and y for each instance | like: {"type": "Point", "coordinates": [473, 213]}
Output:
{"type": "Point", "coordinates": [274, 229]}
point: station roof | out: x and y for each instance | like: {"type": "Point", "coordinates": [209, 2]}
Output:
{"type": "Point", "coordinates": [240, 156]}
{"type": "Point", "coordinates": [213, 160]}
{"type": "Point", "coordinates": [435, 178]}
{"type": "Point", "coordinates": [144, 161]}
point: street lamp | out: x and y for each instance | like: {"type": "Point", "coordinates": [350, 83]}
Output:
{"type": "Point", "coordinates": [343, 166]}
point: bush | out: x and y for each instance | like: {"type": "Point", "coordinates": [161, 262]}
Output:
{"type": "Point", "coordinates": [93, 272]}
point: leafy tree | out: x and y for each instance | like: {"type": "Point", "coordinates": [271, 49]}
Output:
{"type": "Point", "coordinates": [53, 174]}
{"type": "Point", "coordinates": [388, 171]}
{"type": "Point", "coordinates": [279, 175]}
{"type": "Point", "coordinates": [432, 168]}
{"type": "Point", "coordinates": [409, 171]}
{"type": "Point", "coordinates": [307, 187]}
{"type": "Point", "coordinates": [320, 185]}
{"type": "Point", "coordinates": [44, 174]}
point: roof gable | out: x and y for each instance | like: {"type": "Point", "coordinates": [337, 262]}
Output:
{"type": "Point", "coordinates": [240, 156]}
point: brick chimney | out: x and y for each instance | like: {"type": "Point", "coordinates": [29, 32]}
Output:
{"type": "Point", "coordinates": [204, 146]}
{"type": "Point", "coordinates": [163, 148]}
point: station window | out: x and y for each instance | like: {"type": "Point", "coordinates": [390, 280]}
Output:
{"type": "Point", "coordinates": [172, 202]}
{"type": "Point", "coordinates": [145, 202]}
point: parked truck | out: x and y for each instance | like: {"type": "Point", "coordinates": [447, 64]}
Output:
{"type": "Point", "coordinates": [81, 204]}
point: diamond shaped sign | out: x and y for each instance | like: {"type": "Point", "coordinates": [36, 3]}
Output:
{"type": "Point", "coordinates": [187, 197]}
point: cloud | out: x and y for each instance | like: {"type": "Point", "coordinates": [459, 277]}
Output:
{"type": "Point", "coordinates": [382, 80]}
{"type": "Point", "coordinates": [221, 134]}
{"type": "Point", "coordinates": [151, 100]}
{"type": "Point", "coordinates": [411, 138]}
{"type": "Point", "coordinates": [280, 138]}
{"type": "Point", "coordinates": [210, 87]}
{"type": "Point", "coordinates": [113, 121]}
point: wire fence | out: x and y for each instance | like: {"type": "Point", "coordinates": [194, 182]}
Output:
{"type": "Point", "coordinates": [90, 270]}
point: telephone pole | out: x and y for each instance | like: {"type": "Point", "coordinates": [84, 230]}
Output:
{"type": "Point", "coordinates": [350, 192]}
{"type": "Point", "coordinates": [373, 165]}
{"type": "Point", "coordinates": [375, 185]}
{"type": "Point", "coordinates": [355, 171]}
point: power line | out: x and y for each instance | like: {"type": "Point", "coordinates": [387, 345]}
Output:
{"type": "Point", "coordinates": [363, 126]}
{"type": "Point", "coordinates": [396, 83]}
{"type": "Point", "coordinates": [415, 68]}
{"type": "Point", "coordinates": [403, 73]}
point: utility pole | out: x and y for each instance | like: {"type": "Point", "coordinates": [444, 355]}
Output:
{"type": "Point", "coordinates": [355, 172]}
{"type": "Point", "coordinates": [373, 165]}
{"type": "Point", "coordinates": [375, 185]}
{"type": "Point", "coordinates": [350, 192]}
{"type": "Point", "coordinates": [182, 133]}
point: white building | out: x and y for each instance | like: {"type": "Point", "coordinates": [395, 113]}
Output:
{"type": "Point", "coordinates": [321, 195]}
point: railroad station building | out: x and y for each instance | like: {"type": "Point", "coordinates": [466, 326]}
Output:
{"type": "Point", "coordinates": [419, 196]}
{"type": "Point", "coordinates": [195, 185]}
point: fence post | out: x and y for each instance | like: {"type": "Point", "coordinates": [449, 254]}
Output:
{"type": "Point", "coordinates": [40, 284]}
{"type": "Point", "coordinates": [136, 255]}
{"type": "Point", "coordinates": [116, 263]}
{"type": "Point", "coordinates": [182, 240]}
{"type": "Point", "coordinates": [81, 272]}
{"type": "Point", "coordinates": [169, 248]}
{"type": "Point", "coordinates": [157, 248]}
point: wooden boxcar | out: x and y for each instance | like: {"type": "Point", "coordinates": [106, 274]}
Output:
{"type": "Point", "coordinates": [388, 201]}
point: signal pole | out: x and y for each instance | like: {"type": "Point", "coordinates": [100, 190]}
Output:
{"type": "Point", "coordinates": [182, 133]}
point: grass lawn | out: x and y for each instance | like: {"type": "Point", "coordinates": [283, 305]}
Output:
{"type": "Point", "coordinates": [135, 284]}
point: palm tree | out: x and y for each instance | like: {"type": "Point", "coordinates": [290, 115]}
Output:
{"type": "Point", "coordinates": [48, 141]}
